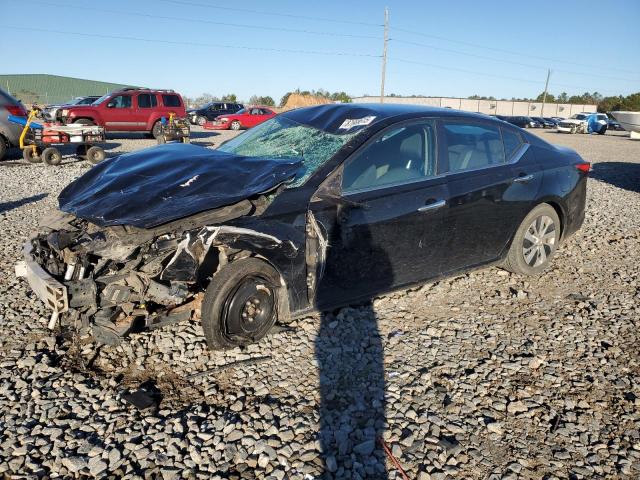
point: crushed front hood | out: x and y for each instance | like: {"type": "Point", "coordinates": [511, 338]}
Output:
{"type": "Point", "coordinates": [168, 182]}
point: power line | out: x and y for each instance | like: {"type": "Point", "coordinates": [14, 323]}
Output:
{"type": "Point", "coordinates": [209, 22]}
{"type": "Point", "coordinates": [510, 52]}
{"type": "Point", "coordinates": [195, 44]}
{"type": "Point", "coordinates": [484, 74]}
{"type": "Point", "coordinates": [262, 12]}
{"type": "Point", "coordinates": [502, 60]}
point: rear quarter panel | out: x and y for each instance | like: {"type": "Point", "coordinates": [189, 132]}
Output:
{"type": "Point", "coordinates": [563, 185]}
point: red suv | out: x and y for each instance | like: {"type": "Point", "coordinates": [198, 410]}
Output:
{"type": "Point", "coordinates": [128, 110]}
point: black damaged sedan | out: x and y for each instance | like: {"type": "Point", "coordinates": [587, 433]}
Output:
{"type": "Point", "coordinates": [317, 208]}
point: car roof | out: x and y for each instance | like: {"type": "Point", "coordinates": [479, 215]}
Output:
{"type": "Point", "coordinates": [331, 117]}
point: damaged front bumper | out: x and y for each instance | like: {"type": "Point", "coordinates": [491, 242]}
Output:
{"type": "Point", "coordinates": [47, 288]}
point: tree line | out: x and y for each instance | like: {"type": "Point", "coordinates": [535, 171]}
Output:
{"type": "Point", "coordinates": [267, 101]}
{"type": "Point", "coordinates": [605, 104]}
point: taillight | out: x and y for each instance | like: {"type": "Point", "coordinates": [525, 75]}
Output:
{"type": "Point", "coordinates": [584, 167]}
{"type": "Point", "coordinates": [16, 110]}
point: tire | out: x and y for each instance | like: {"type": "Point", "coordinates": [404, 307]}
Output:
{"type": "Point", "coordinates": [201, 120]}
{"type": "Point", "coordinates": [27, 154]}
{"type": "Point", "coordinates": [524, 256]}
{"type": "Point", "coordinates": [156, 129]}
{"type": "Point", "coordinates": [603, 130]}
{"type": "Point", "coordinates": [51, 156]}
{"type": "Point", "coordinates": [84, 121]}
{"type": "Point", "coordinates": [235, 125]}
{"type": "Point", "coordinates": [3, 147]}
{"type": "Point", "coordinates": [573, 129]}
{"type": "Point", "coordinates": [95, 155]}
{"type": "Point", "coordinates": [231, 317]}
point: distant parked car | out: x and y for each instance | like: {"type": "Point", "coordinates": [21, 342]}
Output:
{"type": "Point", "coordinates": [584, 122]}
{"type": "Point", "coordinates": [245, 118]}
{"type": "Point", "coordinates": [544, 122]}
{"type": "Point", "coordinates": [51, 112]}
{"type": "Point", "coordinates": [208, 112]}
{"type": "Point", "coordinates": [523, 122]}
{"type": "Point", "coordinates": [553, 120]}
{"type": "Point", "coordinates": [9, 132]}
{"type": "Point", "coordinates": [128, 110]}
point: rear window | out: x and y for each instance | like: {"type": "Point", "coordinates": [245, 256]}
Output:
{"type": "Point", "coordinates": [171, 101]}
{"type": "Point", "coordinates": [146, 100]}
{"type": "Point", "coordinates": [512, 142]}
{"type": "Point", "coordinates": [471, 146]}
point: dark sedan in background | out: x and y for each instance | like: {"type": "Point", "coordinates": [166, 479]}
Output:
{"type": "Point", "coordinates": [209, 111]}
{"type": "Point", "coordinates": [544, 122]}
{"type": "Point", "coordinates": [316, 208]}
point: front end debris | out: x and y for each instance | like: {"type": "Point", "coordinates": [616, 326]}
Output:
{"type": "Point", "coordinates": [113, 280]}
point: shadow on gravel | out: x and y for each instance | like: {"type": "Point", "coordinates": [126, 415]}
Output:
{"type": "Point", "coordinates": [619, 174]}
{"type": "Point", "coordinates": [349, 351]}
{"type": "Point", "coordinates": [5, 207]}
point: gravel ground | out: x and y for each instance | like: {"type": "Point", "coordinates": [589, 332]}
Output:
{"type": "Point", "coordinates": [485, 375]}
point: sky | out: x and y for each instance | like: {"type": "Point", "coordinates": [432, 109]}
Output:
{"type": "Point", "coordinates": [436, 48]}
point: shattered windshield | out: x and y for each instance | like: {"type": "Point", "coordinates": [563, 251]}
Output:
{"type": "Point", "coordinates": [281, 137]}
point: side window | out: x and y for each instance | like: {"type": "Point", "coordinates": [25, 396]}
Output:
{"type": "Point", "coordinates": [471, 145]}
{"type": "Point", "coordinates": [171, 100]}
{"type": "Point", "coordinates": [121, 101]}
{"type": "Point", "coordinates": [146, 100]}
{"type": "Point", "coordinates": [399, 155]}
{"type": "Point", "coordinates": [512, 142]}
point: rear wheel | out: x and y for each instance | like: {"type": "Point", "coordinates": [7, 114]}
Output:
{"type": "Point", "coordinates": [201, 120]}
{"type": "Point", "coordinates": [3, 147]}
{"type": "Point", "coordinates": [156, 129]}
{"type": "Point", "coordinates": [95, 154]}
{"type": "Point", "coordinates": [241, 304]}
{"type": "Point", "coordinates": [535, 242]}
{"type": "Point", "coordinates": [235, 125]}
{"type": "Point", "coordinates": [30, 156]}
{"type": "Point", "coordinates": [51, 156]}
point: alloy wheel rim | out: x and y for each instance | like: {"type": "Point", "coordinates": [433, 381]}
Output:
{"type": "Point", "coordinates": [539, 241]}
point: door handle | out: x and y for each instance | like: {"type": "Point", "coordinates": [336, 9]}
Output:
{"type": "Point", "coordinates": [433, 206]}
{"type": "Point", "coordinates": [523, 179]}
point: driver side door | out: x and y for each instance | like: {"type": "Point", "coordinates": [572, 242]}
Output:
{"type": "Point", "coordinates": [382, 217]}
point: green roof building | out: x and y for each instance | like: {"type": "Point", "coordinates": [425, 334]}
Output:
{"type": "Point", "coordinates": [52, 89]}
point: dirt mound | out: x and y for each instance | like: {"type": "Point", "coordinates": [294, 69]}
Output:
{"type": "Point", "coordinates": [297, 100]}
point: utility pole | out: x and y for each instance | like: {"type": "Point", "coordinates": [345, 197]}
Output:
{"type": "Point", "coordinates": [544, 97]}
{"type": "Point", "coordinates": [384, 52]}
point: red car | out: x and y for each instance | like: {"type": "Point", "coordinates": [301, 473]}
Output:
{"type": "Point", "coordinates": [127, 110]}
{"type": "Point", "coordinates": [246, 118]}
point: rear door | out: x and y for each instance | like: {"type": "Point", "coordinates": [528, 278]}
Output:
{"type": "Point", "coordinates": [493, 180]}
{"type": "Point", "coordinates": [385, 229]}
{"type": "Point", "coordinates": [146, 108]}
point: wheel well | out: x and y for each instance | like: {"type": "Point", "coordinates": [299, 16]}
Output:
{"type": "Point", "coordinates": [220, 258]}
{"type": "Point", "coordinates": [560, 212]}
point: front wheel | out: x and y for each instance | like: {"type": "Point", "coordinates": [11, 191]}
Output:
{"type": "Point", "coordinates": [241, 304]}
{"type": "Point", "coordinates": [535, 242]}
{"type": "Point", "coordinates": [30, 156]}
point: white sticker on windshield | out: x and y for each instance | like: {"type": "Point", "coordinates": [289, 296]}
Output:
{"type": "Point", "coordinates": [356, 122]}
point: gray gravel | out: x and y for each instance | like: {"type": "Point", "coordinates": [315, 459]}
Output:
{"type": "Point", "coordinates": [486, 375]}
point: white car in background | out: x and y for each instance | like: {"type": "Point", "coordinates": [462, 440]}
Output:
{"type": "Point", "coordinates": [580, 123]}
